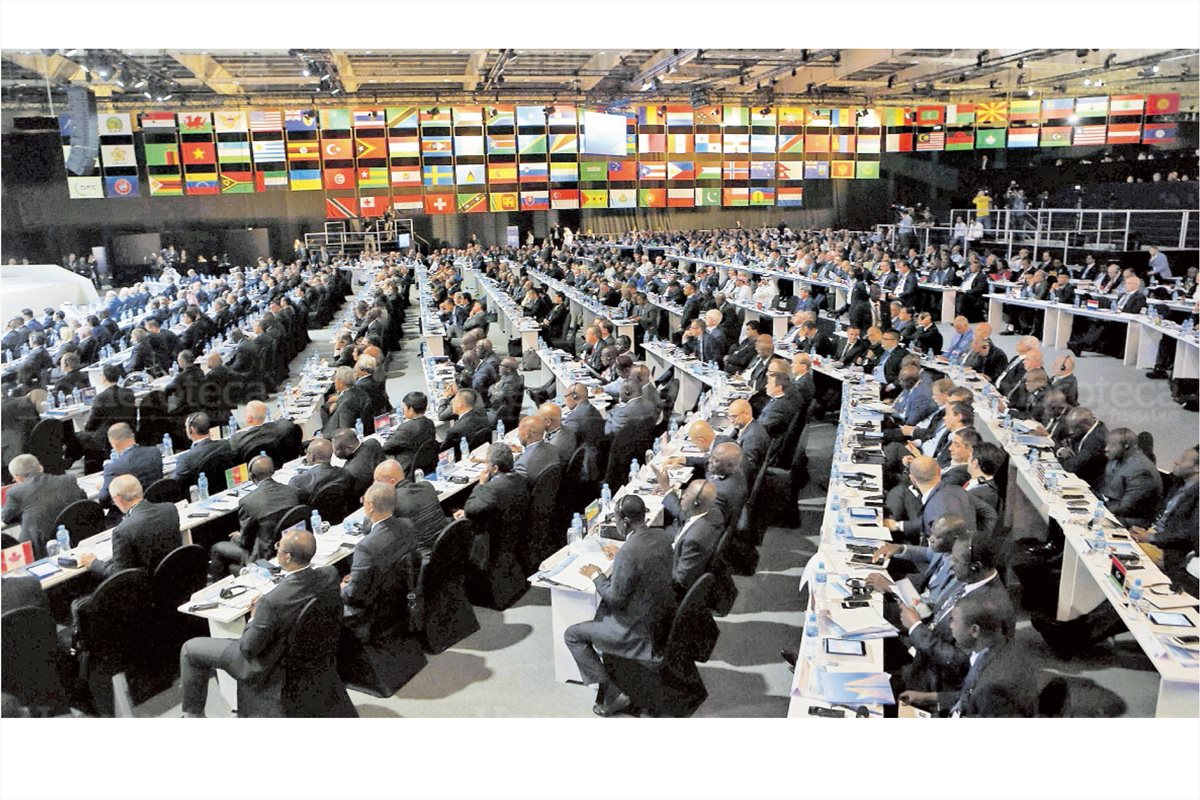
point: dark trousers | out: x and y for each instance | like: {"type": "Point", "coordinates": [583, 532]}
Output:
{"type": "Point", "coordinates": [1165, 360]}
{"type": "Point", "coordinates": [583, 639]}
{"type": "Point", "coordinates": [198, 659]}
{"type": "Point", "coordinates": [226, 558]}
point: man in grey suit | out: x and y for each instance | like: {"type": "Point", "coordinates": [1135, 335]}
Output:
{"type": "Point", "coordinates": [148, 532]}
{"type": "Point", "coordinates": [205, 452]}
{"type": "Point", "coordinates": [380, 566]}
{"type": "Point", "coordinates": [633, 409]}
{"type": "Point", "coordinates": [36, 500]}
{"type": "Point", "coordinates": [319, 473]}
{"type": "Point", "coordinates": [582, 417]}
{"type": "Point", "coordinates": [254, 657]}
{"type": "Point", "coordinates": [751, 436]}
{"type": "Point", "coordinates": [695, 528]}
{"type": "Point", "coordinates": [537, 455]}
{"type": "Point", "coordinates": [558, 436]}
{"type": "Point", "coordinates": [937, 499]}
{"type": "Point", "coordinates": [141, 461]}
{"type": "Point", "coordinates": [1132, 487]}
{"type": "Point", "coordinates": [634, 603]}
{"type": "Point", "coordinates": [934, 578]}
{"type": "Point", "coordinates": [725, 472]}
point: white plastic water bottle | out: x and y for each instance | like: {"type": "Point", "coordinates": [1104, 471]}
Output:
{"type": "Point", "coordinates": [499, 430]}
{"type": "Point", "coordinates": [1135, 598]}
{"type": "Point", "coordinates": [202, 486]}
{"type": "Point", "coordinates": [168, 446]}
{"type": "Point", "coordinates": [464, 448]}
{"type": "Point", "coordinates": [63, 538]}
{"type": "Point", "coordinates": [822, 580]}
{"type": "Point", "coordinates": [605, 496]}
{"type": "Point", "coordinates": [575, 533]}
{"type": "Point", "coordinates": [672, 427]}
{"type": "Point", "coordinates": [811, 633]}
{"type": "Point", "coordinates": [315, 522]}
{"type": "Point", "coordinates": [233, 426]}
{"type": "Point", "coordinates": [634, 469]}
{"type": "Point", "coordinates": [418, 475]}
{"type": "Point", "coordinates": [50, 404]}
{"type": "Point", "coordinates": [76, 396]}
{"type": "Point", "coordinates": [439, 471]}
{"type": "Point", "coordinates": [358, 427]}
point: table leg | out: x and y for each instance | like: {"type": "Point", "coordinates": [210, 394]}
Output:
{"type": "Point", "coordinates": [995, 315]}
{"type": "Point", "coordinates": [227, 630]}
{"type": "Point", "coordinates": [1062, 335]}
{"type": "Point", "coordinates": [568, 607]}
{"type": "Point", "coordinates": [1132, 331]}
{"type": "Point", "coordinates": [1175, 699]}
{"type": "Point", "coordinates": [949, 300]}
{"type": "Point", "coordinates": [1077, 591]}
{"type": "Point", "coordinates": [1147, 348]}
{"type": "Point", "coordinates": [1049, 324]}
{"type": "Point", "coordinates": [434, 345]}
{"type": "Point", "coordinates": [1187, 360]}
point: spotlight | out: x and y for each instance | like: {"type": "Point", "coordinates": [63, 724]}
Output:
{"type": "Point", "coordinates": [1021, 79]}
{"type": "Point", "coordinates": [809, 89]}
{"type": "Point", "coordinates": [804, 56]}
{"type": "Point", "coordinates": [1020, 63]}
{"type": "Point", "coordinates": [1100, 82]}
{"type": "Point", "coordinates": [1059, 87]}
{"type": "Point", "coordinates": [335, 91]}
{"type": "Point", "coordinates": [993, 83]}
{"type": "Point", "coordinates": [1073, 119]}
{"type": "Point", "coordinates": [547, 110]}
{"type": "Point", "coordinates": [1087, 81]}
{"type": "Point", "coordinates": [433, 112]}
{"type": "Point", "coordinates": [793, 72]}
{"type": "Point", "coordinates": [1109, 59]}
{"type": "Point", "coordinates": [762, 112]}
{"type": "Point", "coordinates": [741, 80]}
{"type": "Point", "coordinates": [758, 86]}
{"type": "Point", "coordinates": [1029, 92]}
{"type": "Point", "coordinates": [71, 52]}
{"type": "Point", "coordinates": [1081, 53]}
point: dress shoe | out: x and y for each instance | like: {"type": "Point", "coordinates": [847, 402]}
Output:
{"type": "Point", "coordinates": [1067, 639]}
{"type": "Point", "coordinates": [610, 709]}
{"type": "Point", "coordinates": [1077, 352]}
{"type": "Point", "coordinates": [1157, 375]}
{"type": "Point", "coordinates": [1009, 332]}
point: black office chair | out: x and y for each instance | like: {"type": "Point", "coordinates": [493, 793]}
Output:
{"type": "Point", "coordinates": [46, 442]}
{"type": "Point", "coordinates": [541, 538]}
{"type": "Point", "coordinates": [7, 541]}
{"type": "Point", "coordinates": [499, 581]}
{"type": "Point", "coordinates": [111, 636]}
{"type": "Point", "coordinates": [445, 616]}
{"type": "Point", "coordinates": [333, 501]}
{"type": "Point", "coordinates": [670, 685]}
{"type": "Point", "coordinates": [480, 437]}
{"type": "Point", "coordinates": [31, 664]}
{"type": "Point", "coordinates": [305, 683]}
{"type": "Point", "coordinates": [165, 490]}
{"type": "Point", "coordinates": [723, 591]}
{"type": "Point", "coordinates": [628, 443]}
{"type": "Point", "coordinates": [380, 660]}
{"type": "Point", "coordinates": [291, 518]}
{"type": "Point", "coordinates": [425, 457]}
{"type": "Point", "coordinates": [83, 518]}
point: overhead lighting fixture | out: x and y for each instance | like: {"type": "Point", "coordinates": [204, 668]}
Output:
{"type": "Point", "coordinates": [993, 83]}
{"type": "Point", "coordinates": [891, 82]}
{"type": "Point", "coordinates": [1029, 92]}
{"type": "Point", "coordinates": [1059, 87]}
{"type": "Point", "coordinates": [1082, 52]}
{"type": "Point", "coordinates": [1021, 79]}
{"type": "Point", "coordinates": [1020, 63]}
{"type": "Point", "coordinates": [1109, 59]}
{"type": "Point", "coordinates": [1100, 82]}
{"type": "Point", "coordinates": [70, 52]}
{"type": "Point", "coordinates": [980, 57]}
{"type": "Point", "coordinates": [1087, 81]}
{"type": "Point", "coordinates": [1073, 119]}
{"type": "Point", "coordinates": [741, 80]}
{"type": "Point", "coordinates": [793, 72]}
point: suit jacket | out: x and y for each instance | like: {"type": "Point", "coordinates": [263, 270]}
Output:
{"type": "Point", "coordinates": [361, 466]}
{"type": "Point", "coordinates": [927, 340]}
{"type": "Point", "coordinates": [1089, 461]}
{"type": "Point", "coordinates": [379, 576]}
{"type": "Point", "coordinates": [1132, 489]}
{"type": "Point", "coordinates": [694, 551]}
{"type": "Point", "coordinates": [536, 457]}
{"type": "Point", "coordinates": [991, 366]}
{"type": "Point", "coordinates": [377, 393]}
{"type": "Point", "coordinates": [755, 442]}
{"type": "Point", "coordinates": [1012, 375]}
{"type": "Point", "coordinates": [849, 353]}
{"type": "Point", "coordinates": [465, 427]}
{"type": "Point", "coordinates": [586, 423]}
{"type": "Point", "coordinates": [266, 637]}
{"type": "Point", "coordinates": [114, 404]}
{"type": "Point", "coordinates": [740, 356]}
{"type": "Point", "coordinates": [71, 381]}
{"type": "Point", "coordinates": [317, 477]}
{"type": "Point", "coordinates": [780, 411]}
{"type": "Point", "coordinates": [918, 403]}
{"type": "Point", "coordinates": [202, 454]}
{"type": "Point", "coordinates": [142, 539]}
{"type": "Point", "coordinates": [245, 358]}
{"type": "Point", "coordinates": [939, 665]}
{"type": "Point", "coordinates": [36, 502]}
{"type": "Point", "coordinates": [732, 491]}
{"type": "Point", "coordinates": [942, 501]}
{"type": "Point", "coordinates": [638, 597]}
{"type": "Point", "coordinates": [18, 590]}
{"type": "Point", "coordinates": [1174, 532]}
{"type": "Point", "coordinates": [260, 511]}
{"type": "Point", "coordinates": [637, 409]}
{"type": "Point", "coordinates": [141, 461]}
{"type": "Point", "coordinates": [353, 405]}
{"type": "Point", "coordinates": [407, 437]}
{"type": "Point", "coordinates": [249, 442]}
{"type": "Point", "coordinates": [142, 358]}
{"type": "Point", "coordinates": [418, 503]}
{"type": "Point", "coordinates": [563, 441]}
{"type": "Point", "coordinates": [1069, 386]}
{"type": "Point", "coordinates": [1000, 684]}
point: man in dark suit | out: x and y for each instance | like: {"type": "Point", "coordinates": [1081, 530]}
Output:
{"type": "Point", "coordinates": [165, 343]}
{"type": "Point", "coordinates": [205, 454]}
{"type": "Point", "coordinates": [938, 664]}
{"type": "Point", "coordinates": [851, 348]}
{"type": "Point", "coordinates": [319, 473]}
{"type": "Point", "coordinates": [783, 403]}
{"type": "Point", "coordinates": [254, 657]}
{"type": "Point", "coordinates": [1101, 335]}
{"type": "Point", "coordinates": [361, 458]}
{"type": "Point", "coordinates": [183, 392]}
{"type": "Point", "coordinates": [416, 501]}
{"type": "Point", "coordinates": [702, 343]}
{"type": "Point", "coordinates": [141, 461]}
{"type": "Point", "coordinates": [998, 682]}
{"type": "Point", "coordinates": [501, 494]}
{"type": "Point", "coordinates": [73, 378]}
{"type": "Point", "coordinates": [935, 499]}
{"type": "Point", "coordinates": [350, 404]}
{"type": "Point", "coordinates": [113, 404]}
{"type": "Point", "coordinates": [972, 293]}
{"type": "Point", "coordinates": [1174, 530]}
{"type": "Point", "coordinates": [751, 436]}
{"type": "Point", "coordinates": [409, 435]}
{"type": "Point", "coordinates": [245, 357]}
{"type": "Point", "coordinates": [743, 352]}
{"type": "Point", "coordinates": [560, 438]}
{"type": "Point", "coordinates": [144, 536]}
{"type": "Point", "coordinates": [220, 389]}
{"type": "Point", "coordinates": [1083, 449]}
{"type": "Point", "coordinates": [985, 358]}
{"type": "Point", "coordinates": [755, 372]}
{"type": "Point", "coordinates": [887, 368]}
{"type": "Point", "coordinates": [802, 379]}
{"type": "Point", "coordinates": [694, 526]}
{"type": "Point", "coordinates": [470, 422]}
{"type": "Point", "coordinates": [259, 513]}
{"type": "Point", "coordinates": [364, 371]}
{"type": "Point", "coordinates": [258, 435]}
{"type": "Point", "coordinates": [36, 500]}
{"type": "Point", "coordinates": [926, 337]}
{"type": "Point", "coordinates": [582, 417]}
{"type": "Point", "coordinates": [537, 455]}
{"type": "Point", "coordinates": [142, 358]}
{"type": "Point", "coordinates": [634, 603]}
{"type": "Point", "coordinates": [381, 564]}
{"type": "Point", "coordinates": [725, 473]}
{"type": "Point", "coordinates": [1131, 487]}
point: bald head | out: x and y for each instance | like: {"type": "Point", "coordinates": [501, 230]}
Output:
{"type": "Point", "coordinates": [699, 497]}
{"type": "Point", "coordinates": [924, 471]}
{"type": "Point", "coordinates": [296, 549]}
{"type": "Point", "coordinates": [389, 472]}
{"type": "Point", "coordinates": [551, 414]}
{"type": "Point", "coordinates": [741, 413]}
{"type": "Point", "coordinates": [726, 459]}
{"type": "Point", "coordinates": [701, 434]}
{"type": "Point", "coordinates": [320, 451]}
{"type": "Point", "coordinates": [1027, 344]}
{"type": "Point", "coordinates": [531, 429]}
{"type": "Point", "coordinates": [379, 501]}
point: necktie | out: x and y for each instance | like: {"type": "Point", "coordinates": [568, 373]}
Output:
{"type": "Point", "coordinates": [948, 605]}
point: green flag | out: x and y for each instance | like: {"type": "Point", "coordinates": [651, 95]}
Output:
{"type": "Point", "coordinates": [162, 155]}
{"type": "Point", "coordinates": [990, 138]}
{"type": "Point", "coordinates": [593, 170]}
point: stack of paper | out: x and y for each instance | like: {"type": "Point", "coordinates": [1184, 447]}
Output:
{"type": "Point", "coordinates": [859, 623]}
{"type": "Point", "coordinates": [854, 688]}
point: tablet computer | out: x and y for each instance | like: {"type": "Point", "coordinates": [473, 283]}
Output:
{"type": "Point", "coordinates": [845, 647]}
{"type": "Point", "coordinates": [1171, 619]}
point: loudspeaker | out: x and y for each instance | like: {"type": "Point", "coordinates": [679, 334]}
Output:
{"type": "Point", "coordinates": [85, 135]}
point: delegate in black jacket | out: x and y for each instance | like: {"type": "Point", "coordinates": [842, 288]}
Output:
{"type": "Point", "coordinates": [142, 539]}
{"type": "Point", "coordinates": [258, 514]}
{"type": "Point", "coordinates": [36, 502]}
{"type": "Point", "coordinates": [407, 437]}
{"type": "Point", "coordinates": [378, 576]}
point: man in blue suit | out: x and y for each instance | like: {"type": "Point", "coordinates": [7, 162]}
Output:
{"type": "Point", "coordinates": [915, 402]}
{"type": "Point", "coordinates": [142, 462]}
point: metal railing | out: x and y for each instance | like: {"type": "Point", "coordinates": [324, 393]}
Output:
{"type": "Point", "coordinates": [337, 240]}
{"type": "Point", "coordinates": [1059, 230]}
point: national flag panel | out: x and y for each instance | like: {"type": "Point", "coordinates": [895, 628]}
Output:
{"type": "Point", "coordinates": [680, 198]}
{"type": "Point", "coordinates": [564, 198]}
{"type": "Point", "coordinates": [1160, 133]}
{"type": "Point", "coordinates": [681, 171]}
{"type": "Point", "coordinates": [502, 201]}
{"type": "Point", "coordinates": [593, 171]}
{"type": "Point", "coordinates": [1126, 105]}
{"type": "Point", "coordinates": [594, 198]}
{"type": "Point", "coordinates": [762, 196]}
{"type": "Point", "coordinates": [790, 196]}
{"type": "Point", "coordinates": [470, 174]}
{"type": "Point", "coordinates": [1162, 103]}
{"type": "Point", "coordinates": [1091, 107]}
{"type": "Point", "coordinates": [1089, 134]}
{"type": "Point", "coordinates": [564, 172]}
{"type": "Point", "coordinates": [1124, 133]}
{"type": "Point", "coordinates": [931, 140]}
